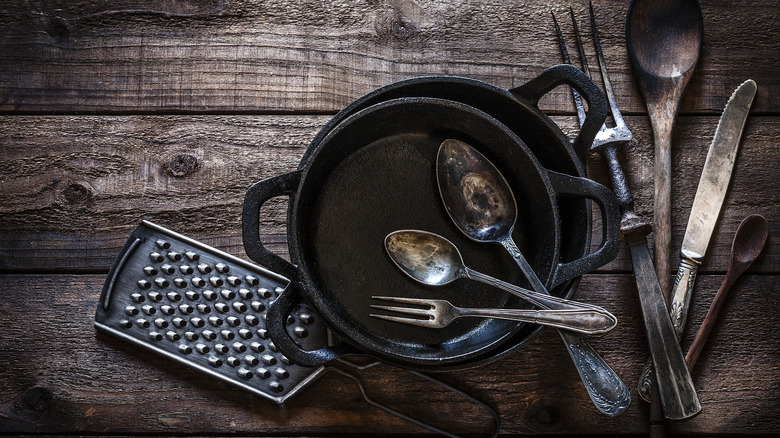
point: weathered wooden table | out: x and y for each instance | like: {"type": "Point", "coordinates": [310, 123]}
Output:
{"type": "Point", "coordinates": [115, 112]}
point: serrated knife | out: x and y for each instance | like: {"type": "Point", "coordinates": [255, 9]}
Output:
{"type": "Point", "coordinates": [707, 203]}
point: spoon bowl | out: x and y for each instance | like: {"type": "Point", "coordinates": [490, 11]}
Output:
{"type": "Point", "coordinates": [479, 200]}
{"type": "Point", "coordinates": [674, 24]}
{"type": "Point", "coordinates": [477, 196]}
{"type": "Point", "coordinates": [426, 257]}
{"type": "Point", "coordinates": [749, 241]}
{"type": "Point", "coordinates": [433, 260]}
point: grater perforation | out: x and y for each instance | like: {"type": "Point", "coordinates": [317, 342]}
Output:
{"type": "Point", "coordinates": [202, 307]}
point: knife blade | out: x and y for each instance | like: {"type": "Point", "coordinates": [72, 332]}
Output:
{"type": "Point", "coordinates": [706, 207]}
{"type": "Point", "coordinates": [677, 393]}
{"type": "Point", "coordinates": [709, 197]}
{"type": "Point", "coordinates": [675, 387]}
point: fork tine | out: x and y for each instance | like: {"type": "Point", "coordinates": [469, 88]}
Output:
{"type": "Point", "coordinates": [561, 42]}
{"type": "Point", "coordinates": [580, 48]}
{"type": "Point", "coordinates": [577, 98]}
{"type": "Point", "coordinates": [412, 321]}
{"type": "Point", "coordinates": [407, 310]}
{"type": "Point", "coordinates": [616, 115]}
{"type": "Point", "coordinates": [404, 300]}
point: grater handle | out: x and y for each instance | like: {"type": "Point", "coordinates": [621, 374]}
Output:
{"type": "Point", "coordinates": [276, 317]}
{"type": "Point", "coordinates": [256, 196]}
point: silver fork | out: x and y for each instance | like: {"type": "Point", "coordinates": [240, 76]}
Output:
{"type": "Point", "coordinates": [440, 313]}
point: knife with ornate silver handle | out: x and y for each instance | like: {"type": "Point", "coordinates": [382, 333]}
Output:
{"type": "Point", "coordinates": [707, 203]}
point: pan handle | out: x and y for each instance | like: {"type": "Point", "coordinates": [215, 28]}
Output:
{"type": "Point", "coordinates": [276, 319]}
{"type": "Point", "coordinates": [256, 196]}
{"type": "Point", "coordinates": [554, 76]}
{"type": "Point", "coordinates": [610, 219]}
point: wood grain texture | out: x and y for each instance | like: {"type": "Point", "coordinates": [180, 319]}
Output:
{"type": "Point", "coordinates": [113, 112]}
{"type": "Point", "coordinates": [61, 376]}
{"type": "Point", "coordinates": [316, 56]}
{"type": "Point", "coordinates": [76, 186]}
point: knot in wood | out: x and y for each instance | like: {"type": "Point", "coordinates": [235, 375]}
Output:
{"type": "Point", "coordinates": [403, 28]}
{"type": "Point", "coordinates": [547, 416]}
{"type": "Point", "coordinates": [397, 28]}
{"type": "Point", "coordinates": [57, 27]}
{"type": "Point", "coordinates": [37, 398]}
{"type": "Point", "coordinates": [77, 193]}
{"type": "Point", "coordinates": [181, 165]}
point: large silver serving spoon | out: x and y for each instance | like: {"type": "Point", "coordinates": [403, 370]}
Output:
{"type": "Point", "coordinates": [433, 260]}
{"type": "Point", "coordinates": [482, 205]}
{"type": "Point", "coordinates": [480, 201]}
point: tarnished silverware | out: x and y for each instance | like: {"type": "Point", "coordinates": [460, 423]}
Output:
{"type": "Point", "coordinates": [440, 313]}
{"type": "Point", "coordinates": [433, 260]}
{"type": "Point", "coordinates": [677, 392]}
{"type": "Point", "coordinates": [713, 184]}
{"type": "Point", "coordinates": [459, 166]}
{"type": "Point", "coordinates": [479, 201]}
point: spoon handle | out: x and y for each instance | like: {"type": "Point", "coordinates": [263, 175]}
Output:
{"type": "Point", "coordinates": [709, 321]}
{"type": "Point", "coordinates": [605, 388]}
{"type": "Point", "coordinates": [544, 301]}
{"type": "Point", "coordinates": [587, 322]}
{"type": "Point", "coordinates": [521, 261]}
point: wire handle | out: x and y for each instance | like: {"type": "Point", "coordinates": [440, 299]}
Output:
{"type": "Point", "coordinates": [401, 415]}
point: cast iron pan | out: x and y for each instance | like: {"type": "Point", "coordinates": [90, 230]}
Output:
{"type": "Point", "coordinates": [518, 109]}
{"type": "Point", "coordinates": [373, 174]}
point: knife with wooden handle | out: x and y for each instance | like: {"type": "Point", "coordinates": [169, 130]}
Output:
{"type": "Point", "coordinates": [706, 207]}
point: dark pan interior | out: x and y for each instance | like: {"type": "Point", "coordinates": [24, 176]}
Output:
{"type": "Point", "coordinates": [536, 130]}
{"type": "Point", "coordinates": [374, 173]}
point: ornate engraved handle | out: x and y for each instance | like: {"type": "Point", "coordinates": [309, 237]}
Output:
{"type": "Point", "coordinates": [683, 286]}
{"type": "Point", "coordinates": [585, 321]}
{"type": "Point", "coordinates": [605, 388]}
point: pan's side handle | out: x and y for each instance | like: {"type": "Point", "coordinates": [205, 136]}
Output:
{"type": "Point", "coordinates": [256, 196]}
{"type": "Point", "coordinates": [554, 76]}
{"type": "Point", "coordinates": [276, 319]}
{"type": "Point", "coordinates": [610, 218]}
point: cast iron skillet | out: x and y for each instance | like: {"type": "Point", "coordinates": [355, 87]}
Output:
{"type": "Point", "coordinates": [518, 109]}
{"type": "Point", "coordinates": [374, 173]}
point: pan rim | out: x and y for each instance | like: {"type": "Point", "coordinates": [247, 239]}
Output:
{"type": "Point", "coordinates": [303, 263]}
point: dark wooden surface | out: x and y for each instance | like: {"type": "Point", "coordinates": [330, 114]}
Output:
{"type": "Point", "coordinates": [168, 111]}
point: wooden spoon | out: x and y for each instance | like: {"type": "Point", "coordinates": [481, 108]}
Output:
{"type": "Point", "coordinates": [748, 243]}
{"type": "Point", "coordinates": [664, 38]}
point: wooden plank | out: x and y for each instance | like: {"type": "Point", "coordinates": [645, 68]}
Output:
{"type": "Point", "coordinates": [76, 186]}
{"type": "Point", "coordinates": [314, 56]}
{"type": "Point", "coordinates": [61, 376]}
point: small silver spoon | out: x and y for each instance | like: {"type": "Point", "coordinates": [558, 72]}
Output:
{"type": "Point", "coordinates": [480, 201]}
{"type": "Point", "coordinates": [433, 260]}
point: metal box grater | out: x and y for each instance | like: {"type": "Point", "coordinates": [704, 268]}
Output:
{"type": "Point", "coordinates": [206, 309]}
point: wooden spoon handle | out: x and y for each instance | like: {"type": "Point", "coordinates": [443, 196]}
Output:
{"type": "Point", "coordinates": [709, 321]}
{"type": "Point", "coordinates": [662, 118]}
